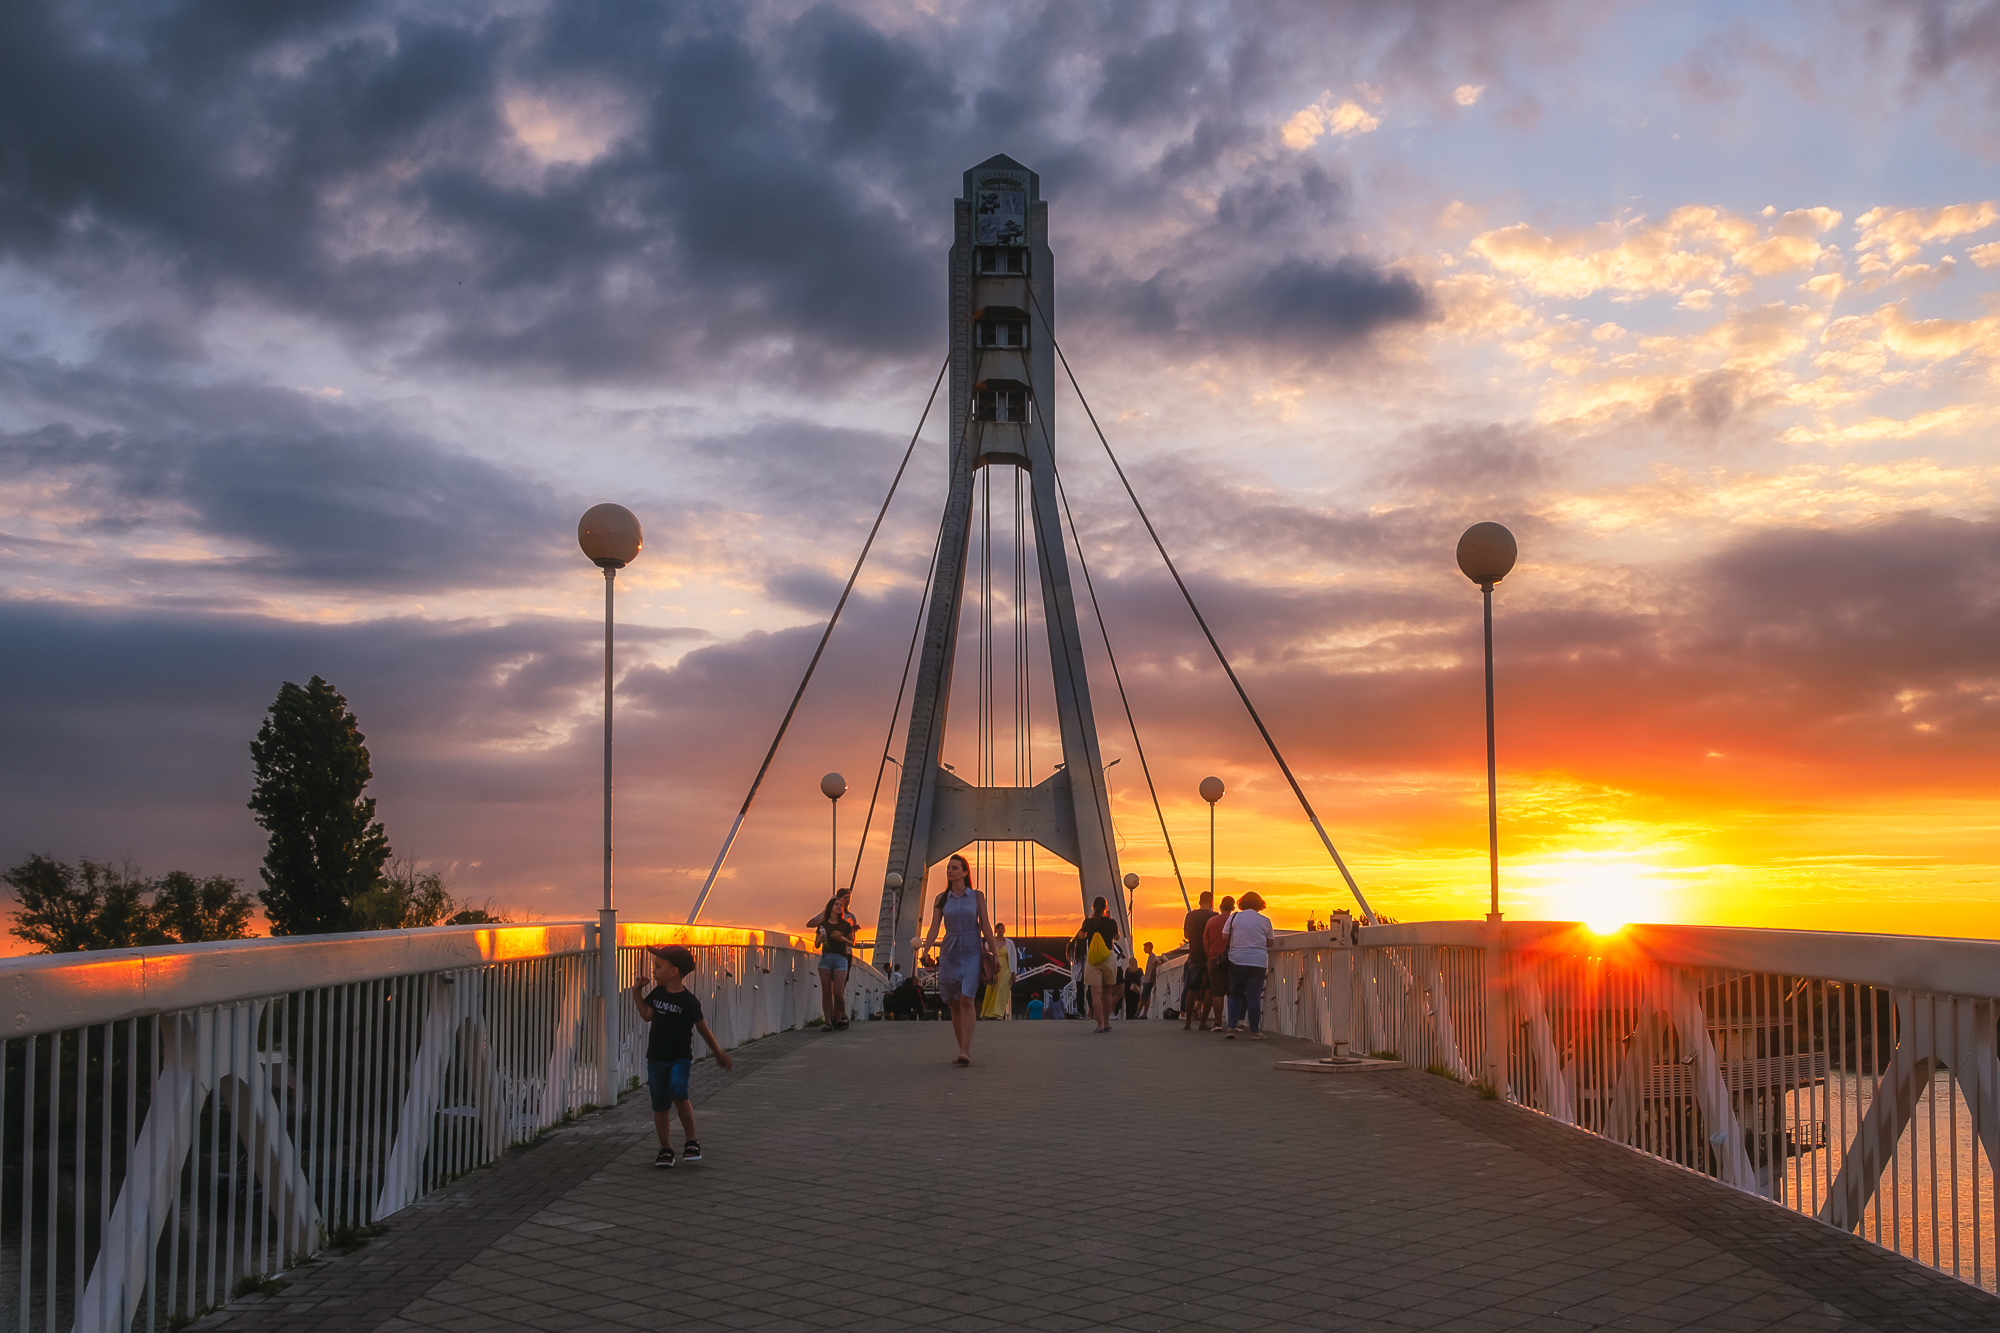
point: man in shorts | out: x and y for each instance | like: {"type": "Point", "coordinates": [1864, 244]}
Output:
{"type": "Point", "coordinates": [1194, 972]}
{"type": "Point", "coordinates": [673, 1014]}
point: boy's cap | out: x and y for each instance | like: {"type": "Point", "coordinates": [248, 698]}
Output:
{"type": "Point", "coordinates": [677, 955]}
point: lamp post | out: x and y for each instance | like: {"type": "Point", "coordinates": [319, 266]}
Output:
{"type": "Point", "coordinates": [833, 787]}
{"type": "Point", "coordinates": [891, 952]}
{"type": "Point", "coordinates": [1486, 552]}
{"type": "Point", "coordinates": [610, 536]}
{"type": "Point", "coordinates": [1211, 791]}
{"type": "Point", "coordinates": [1132, 905]}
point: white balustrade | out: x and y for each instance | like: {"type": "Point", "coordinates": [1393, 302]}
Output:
{"type": "Point", "coordinates": [1850, 1077]}
{"type": "Point", "coordinates": [176, 1120]}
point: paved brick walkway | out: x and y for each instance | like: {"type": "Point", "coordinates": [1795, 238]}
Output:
{"type": "Point", "coordinates": [1149, 1180]}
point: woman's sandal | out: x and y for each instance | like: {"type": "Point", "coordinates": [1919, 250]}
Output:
{"type": "Point", "coordinates": [963, 1060]}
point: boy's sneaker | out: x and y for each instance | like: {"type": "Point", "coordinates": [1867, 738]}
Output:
{"type": "Point", "coordinates": [690, 1151]}
{"type": "Point", "coordinates": [664, 1160]}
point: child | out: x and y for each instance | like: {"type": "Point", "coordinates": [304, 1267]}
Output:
{"type": "Point", "coordinates": [1035, 1007]}
{"type": "Point", "coordinates": [675, 1016]}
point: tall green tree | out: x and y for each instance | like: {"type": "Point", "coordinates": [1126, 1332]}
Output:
{"type": "Point", "coordinates": [326, 847]}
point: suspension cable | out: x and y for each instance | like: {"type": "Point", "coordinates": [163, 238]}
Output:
{"type": "Point", "coordinates": [701, 899]}
{"type": "Point", "coordinates": [1367, 913]}
{"type": "Point", "coordinates": [896, 713]}
{"type": "Point", "coordinates": [1091, 588]}
{"type": "Point", "coordinates": [1102, 808]}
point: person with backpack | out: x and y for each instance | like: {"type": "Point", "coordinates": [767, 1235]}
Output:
{"type": "Point", "coordinates": [967, 958]}
{"type": "Point", "coordinates": [1097, 943]}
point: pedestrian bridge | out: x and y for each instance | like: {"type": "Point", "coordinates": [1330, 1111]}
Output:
{"type": "Point", "coordinates": [1670, 1127]}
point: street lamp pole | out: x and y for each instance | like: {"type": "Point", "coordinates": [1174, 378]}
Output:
{"type": "Point", "coordinates": [1492, 771]}
{"type": "Point", "coordinates": [1486, 552]}
{"type": "Point", "coordinates": [1211, 791]}
{"type": "Point", "coordinates": [610, 536]}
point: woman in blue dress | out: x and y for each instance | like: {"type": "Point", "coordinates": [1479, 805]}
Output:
{"type": "Point", "coordinates": [968, 935]}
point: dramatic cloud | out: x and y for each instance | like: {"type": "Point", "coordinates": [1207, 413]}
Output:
{"type": "Point", "coordinates": [326, 320]}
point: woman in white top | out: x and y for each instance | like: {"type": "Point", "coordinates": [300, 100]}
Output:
{"type": "Point", "coordinates": [1248, 936]}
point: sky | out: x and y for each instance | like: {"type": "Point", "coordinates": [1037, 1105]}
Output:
{"type": "Point", "coordinates": [321, 324]}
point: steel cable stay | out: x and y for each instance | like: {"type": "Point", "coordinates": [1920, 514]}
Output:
{"type": "Point", "coordinates": [1102, 808]}
{"type": "Point", "coordinates": [902, 687]}
{"type": "Point", "coordinates": [1367, 913]}
{"type": "Point", "coordinates": [1116, 675]}
{"type": "Point", "coordinates": [1119, 679]}
{"type": "Point", "coordinates": [736, 826]}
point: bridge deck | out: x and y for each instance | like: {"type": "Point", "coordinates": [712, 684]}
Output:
{"type": "Point", "coordinates": [1149, 1179]}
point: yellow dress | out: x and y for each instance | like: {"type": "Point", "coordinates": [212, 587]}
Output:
{"type": "Point", "coordinates": [999, 1002]}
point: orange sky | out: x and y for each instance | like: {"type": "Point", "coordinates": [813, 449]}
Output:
{"type": "Point", "coordinates": [1702, 302]}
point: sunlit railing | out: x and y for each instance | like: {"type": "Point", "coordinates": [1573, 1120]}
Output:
{"type": "Point", "coordinates": [1853, 1078]}
{"type": "Point", "coordinates": [176, 1121]}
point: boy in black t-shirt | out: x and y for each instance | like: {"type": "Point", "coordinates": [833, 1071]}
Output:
{"type": "Point", "coordinates": [674, 1015]}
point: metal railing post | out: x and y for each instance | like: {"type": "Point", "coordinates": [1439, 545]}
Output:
{"type": "Point", "coordinates": [607, 965]}
{"type": "Point", "coordinates": [1496, 992]}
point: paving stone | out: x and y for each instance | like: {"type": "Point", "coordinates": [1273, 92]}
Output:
{"type": "Point", "coordinates": [1154, 1181]}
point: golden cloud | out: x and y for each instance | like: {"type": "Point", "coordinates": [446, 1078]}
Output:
{"type": "Point", "coordinates": [1342, 120]}
{"type": "Point", "coordinates": [1695, 247]}
{"type": "Point", "coordinates": [1899, 234]}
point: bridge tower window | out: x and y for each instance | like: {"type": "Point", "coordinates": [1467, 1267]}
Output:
{"type": "Point", "coordinates": [1001, 261]}
{"type": "Point", "coordinates": [1000, 401]}
{"type": "Point", "coordinates": [1000, 326]}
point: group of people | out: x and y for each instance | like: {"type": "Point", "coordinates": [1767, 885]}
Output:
{"type": "Point", "coordinates": [1223, 987]}
{"type": "Point", "coordinates": [974, 954]}
{"type": "Point", "coordinates": [1228, 956]}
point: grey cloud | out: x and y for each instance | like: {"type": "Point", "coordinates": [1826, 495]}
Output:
{"type": "Point", "coordinates": [129, 732]}
{"type": "Point", "coordinates": [780, 198]}
{"type": "Point", "coordinates": [357, 509]}
{"type": "Point", "coordinates": [1305, 301]}
{"type": "Point", "coordinates": [1261, 204]}
{"type": "Point", "coordinates": [1152, 79]}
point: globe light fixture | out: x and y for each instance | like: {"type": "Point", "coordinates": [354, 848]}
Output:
{"type": "Point", "coordinates": [610, 537]}
{"type": "Point", "coordinates": [1486, 554]}
{"type": "Point", "coordinates": [833, 787]}
{"type": "Point", "coordinates": [609, 534]}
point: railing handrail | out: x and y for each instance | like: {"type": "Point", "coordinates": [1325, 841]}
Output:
{"type": "Point", "coordinates": [49, 992]}
{"type": "Point", "coordinates": [1939, 965]}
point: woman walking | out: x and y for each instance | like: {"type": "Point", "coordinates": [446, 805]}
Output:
{"type": "Point", "coordinates": [1096, 944]}
{"type": "Point", "coordinates": [961, 913]}
{"type": "Point", "coordinates": [1249, 935]}
{"type": "Point", "coordinates": [837, 928]}
{"type": "Point", "coordinates": [1000, 992]}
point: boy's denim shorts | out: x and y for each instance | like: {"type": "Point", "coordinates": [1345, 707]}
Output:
{"type": "Point", "coordinates": [669, 1082]}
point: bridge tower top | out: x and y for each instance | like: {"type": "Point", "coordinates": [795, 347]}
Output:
{"type": "Point", "coordinates": [1002, 372]}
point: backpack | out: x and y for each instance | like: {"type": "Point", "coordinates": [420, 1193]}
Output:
{"type": "Point", "coordinates": [1099, 952]}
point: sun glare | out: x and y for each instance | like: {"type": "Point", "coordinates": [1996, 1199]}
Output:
{"type": "Point", "coordinates": [1604, 890]}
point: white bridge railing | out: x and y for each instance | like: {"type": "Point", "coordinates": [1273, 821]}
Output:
{"type": "Point", "coordinates": [1850, 1077]}
{"type": "Point", "coordinates": [175, 1121]}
